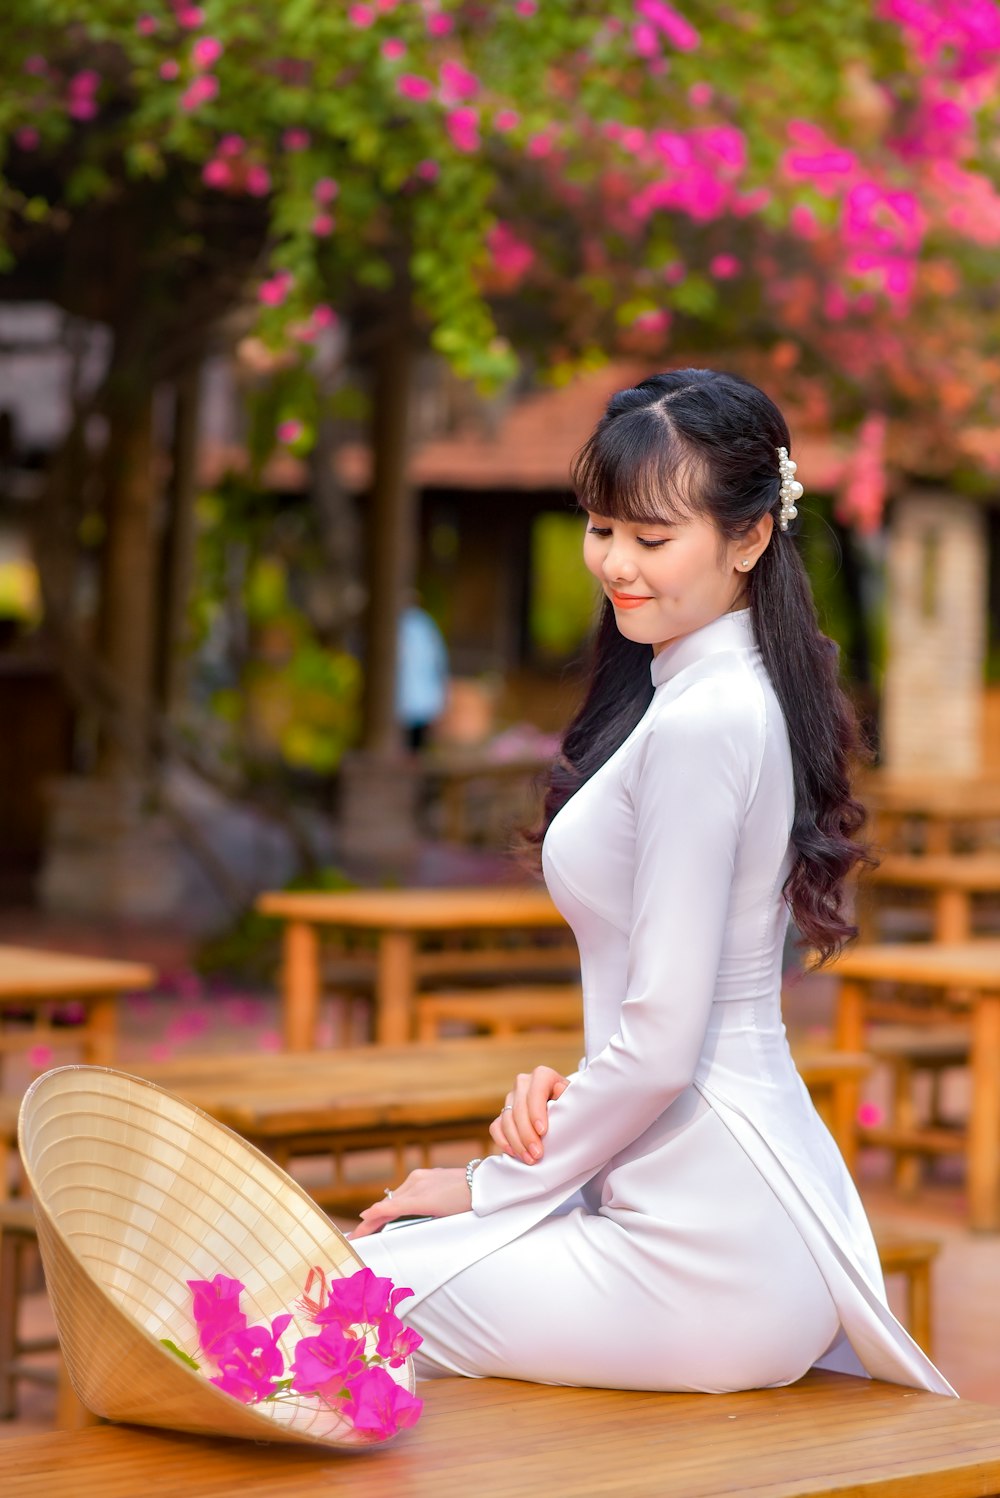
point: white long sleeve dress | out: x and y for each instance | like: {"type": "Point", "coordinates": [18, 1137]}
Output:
{"type": "Point", "coordinates": [691, 1225]}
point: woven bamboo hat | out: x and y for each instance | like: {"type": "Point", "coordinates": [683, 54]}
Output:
{"type": "Point", "coordinates": [135, 1192]}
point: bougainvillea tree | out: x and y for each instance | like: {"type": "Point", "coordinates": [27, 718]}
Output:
{"type": "Point", "coordinates": [543, 179]}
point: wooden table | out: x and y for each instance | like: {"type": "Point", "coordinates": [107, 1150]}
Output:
{"type": "Point", "coordinates": [951, 879]}
{"type": "Point", "coordinates": [950, 808]}
{"type": "Point", "coordinates": [967, 975]}
{"type": "Point", "coordinates": [826, 1435]}
{"type": "Point", "coordinates": [397, 919]}
{"type": "Point", "coordinates": [407, 1098]}
{"type": "Point", "coordinates": [38, 980]}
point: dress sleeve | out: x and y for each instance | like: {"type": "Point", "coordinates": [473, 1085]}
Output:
{"type": "Point", "coordinates": [691, 782]}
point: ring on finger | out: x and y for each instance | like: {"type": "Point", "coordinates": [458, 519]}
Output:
{"type": "Point", "coordinates": [387, 1193]}
{"type": "Point", "coordinates": [506, 1107]}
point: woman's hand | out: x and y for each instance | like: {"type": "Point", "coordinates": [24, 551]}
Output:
{"type": "Point", "coordinates": [424, 1193]}
{"type": "Point", "coordinates": [518, 1129]}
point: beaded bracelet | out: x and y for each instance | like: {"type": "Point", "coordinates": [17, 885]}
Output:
{"type": "Point", "coordinates": [469, 1169]}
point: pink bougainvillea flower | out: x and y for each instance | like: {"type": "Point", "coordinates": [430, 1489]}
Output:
{"type": "Point", "coordinates": [804, 221]}
{"type": "Point", "coordinates": [512, 256]}
{"type": "Point", "coordinates": [412, 86]}
{"type": "Point", "coordinates": [258, 181]}
{"type": "Point", "coordinates": [679, 33]}
{"type": "Point", "coordinates": [251, 1361]}
{"type": "Point", "coordinates": [326, 190]}
{"type": "Point", "coordinates": [539, 146]}
{"type": "Point", "coordinates": [289, 431]}
{"type": "Point", "coordinates": [36, 65]}
{"type": "Point", "coordinates": [329, 1358]}
{"type": "Point", "coordinates": [700, 94]}
{"type": "Point", "coordinates": [323, 225]}
{"type": "Point", "coordinates": [169, 70]}
{"type": "Point", "coordinates": [216, 1311]}
{"type": "Point", "coordinates": [396, 1342]}
{"type": "Point", "coordinates": [323, 316]}
{"type": "Point", "coordinates": [147, 25]}
{"type": "Point", "coordinates": [428, 170]}
{"type": "Point", "coordinates": [27, 138]}
{"type": "Point", "coordinates": [232, 145]}
{"type": "Point", "coordinates": [724, 267]}
{"type": "Point", "coordinates": [361, 15]}
{"type": "Point", "coordinates": [393, 49]}
{"type": "Point", "coordinates": [457, 83]}
{"type": "Point", "coordinates": [655, 320]}
{"type": "Point", "coordinates": [506, 119]}
{"type": "Point", "coordinates": [361, 1300]}
{"type": "Point", "coordinates": [206, 51]}
{"type": "Point", "coordinates": [200, 91]}
{"type": "Point", "coordinates": [189, 16]}
{"type": "Point", "coordinates": [84, 84]}
{"type": "Point", "coordinates": [81, 109]}
{"type": "Point", "coordinates": [274, 291]}
{"type": "Point", "coordinates": [439, 25]}
{"type": "Point", "coordinates": [377, 1403]}
{"type": "Point", "coordinates": [526, 8]}
{"type": "Point", "coordinates": [295, 140]}
{"type": "Point", "coordinates": [217, 173]}
{"type": "Point", "coordinates": [645, 40]}
{"type": "Point", "coordinates": [463, 128]}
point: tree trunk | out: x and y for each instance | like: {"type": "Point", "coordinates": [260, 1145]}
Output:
{"type": "Point", "coordinates": [178, 545]}
{"type": "Point", "coordinates": [390, 537]}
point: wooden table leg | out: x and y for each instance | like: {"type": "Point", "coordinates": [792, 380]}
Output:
{"type": "Point", "coordinates": [952, 917]}
{"type": "Point", "coordinates": [983, 1162]}
{"type": "Point", "coordinates": [300, 986]}
{"type": "Point", "coordinates": [849, 1036]}
{"type": "Point", "coordinates": [394, 988]}
{"type": "Point", "coordinates": [101, 1031]}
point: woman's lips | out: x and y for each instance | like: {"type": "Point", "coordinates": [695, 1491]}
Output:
{"type": "Point", "coordinates": [629, 600]}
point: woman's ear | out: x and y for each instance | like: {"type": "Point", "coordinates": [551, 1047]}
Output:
{"type": "Point", "coordinates": [748, 550]}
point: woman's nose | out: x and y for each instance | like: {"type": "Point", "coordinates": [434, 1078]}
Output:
{"type": "Point", "coordinates": [618, 564]}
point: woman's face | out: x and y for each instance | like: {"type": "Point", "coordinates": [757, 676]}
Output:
{"type": "Point", "coordinates": [664, 580]}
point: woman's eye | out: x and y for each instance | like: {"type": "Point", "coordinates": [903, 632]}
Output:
{"type": "Point", "coordinates": [598, 530]}
{"type": "Point", "coordinates": [652, 545]}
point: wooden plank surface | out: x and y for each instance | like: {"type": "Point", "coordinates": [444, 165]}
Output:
{"type": "Point", "coordinates": [27, 973]}
{"type": "Point", "coordinates": [932, 795]}
{"type": "Point", "coordinates": [492, 907]}
{"type": "Point", "coordinates": [974, 872]}
{"type": "Point", "coordinates": [498, 1439]}
{"type": "Point", "coordinates": [972, 964]}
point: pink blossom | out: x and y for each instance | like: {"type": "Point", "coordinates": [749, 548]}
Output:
{"type": "Point", "coordinates": [82, 109]}
{"type": "Point", "coordinates": [804, 221]}
{"type": "Point", "coordinates": [232, 145]}
{"type": "Point", "coordinates": [323, 316]}
{"type": "Point", "coordinates": [361, 1299]}
{"type": "Point", "coordinates": [412, 86]}
{"type": "Point", "coordinates": [645, 40]}
{"type": "Point", "coordinates": [377, 1403]}
{"type": "Point", "coordinates": [189, 16]}
{"type": "Point", "coordinates": [633, 140]}
{"type": "Point", "coordinates": [27, 138]}
{"type": "Point", "coordinates": [147, 25]}
{"type": "Point", "coordinates": [700, 94]}
{"type": "Point", "coordinates": [428, 170]}
{"type": "Point", "coordinates": [724, 267]}
{"type": "Point", "coordinates": [275, 290]}
{"type": "Point", "coordinates": [360, 15]}
{"type": "Point", "coordinates": [36, 65]}
{"type": "Point", "coordinates": [457, 83]}
{"type": "Point", "coordinates": [393, 49]}
{"type": "Point", "coordinates": [206, 51]}
{"type": "Point", "coordinates": [526, 8]}
{"type": "Point", "coordinates": [258, 181]}
{"type": "Point", "coordinates": [84, 84]}
{"type": "Point", "coordinates": [539, 146]}
{"type": "Point", "coordinates": [817, 159]}
{"type": "Point", "coordinates": [217, 173]}
{"type": "Point", "coordinates": [439, 25]}
{"type": "Point", "coordinates": [200, 91]}
{"type": "Point", "coordinates": [169, 69]}
{"type": "Point", "coordinates": [654, 320]}
{"type": "Point", "coordinates": [463, 128]}
{"type": "Point", "coordinates": [323, 225]}
{"type": "Point", "coordinates": [512, 256]}
{"type": "Point", "coordinates": [216, 1311]}
{"type": "Point", "coordinates": [674, 272]}
{"type": "Point", "coordinates": [326, 1361]}
{"type": "Point", "coordinates": [295, 140]}
{"type": "Point", "coordinates": [326, 190]}
{"type": "Point", "coordinates": [680, 33]}
{"type": "Point", "coordinates": [506, 119]}
{"type": "Point", "coordinates": [251, 1361]}
{"type": "Point", "coordinates": [289, 431]}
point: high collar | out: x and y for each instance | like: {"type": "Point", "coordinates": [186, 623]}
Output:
{"type": "Point", "coordinates": [728, 632]}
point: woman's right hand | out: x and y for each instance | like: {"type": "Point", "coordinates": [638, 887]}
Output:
{"type": "Point", "coordinates": [518, 1129]}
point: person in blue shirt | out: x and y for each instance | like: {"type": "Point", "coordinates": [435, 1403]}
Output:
{"type": "Point", "coordinates": [421, 674]}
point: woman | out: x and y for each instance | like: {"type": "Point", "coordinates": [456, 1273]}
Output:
{"type": "Point", "coordinates": [675, 1215]}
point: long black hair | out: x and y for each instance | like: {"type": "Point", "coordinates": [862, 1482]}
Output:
{"type": "Point", "coordinates": [697, 441]}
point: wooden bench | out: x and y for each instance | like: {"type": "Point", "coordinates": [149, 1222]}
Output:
{"type": "Point", "coordinates": [908, 1051]}
{"type": "Point", "coordinates": [501, 1011]}
{"type": "Point", "coordinates": [826, 1435]}
{"type": "Point", "coordinates": [912, 1258]}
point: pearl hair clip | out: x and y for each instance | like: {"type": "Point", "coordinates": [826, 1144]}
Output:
{"type": "Point", "coordinates": [791, 489]}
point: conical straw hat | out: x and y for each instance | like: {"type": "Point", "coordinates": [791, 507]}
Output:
{"type": "Point", "coordinates": [135, 1193]}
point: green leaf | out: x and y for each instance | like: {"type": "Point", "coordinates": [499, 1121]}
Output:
{"type": "Point", "coordinates": [178, 1353]}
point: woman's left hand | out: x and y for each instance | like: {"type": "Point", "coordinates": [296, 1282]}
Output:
{"type": "Point", "coordinates": [441, 1192]}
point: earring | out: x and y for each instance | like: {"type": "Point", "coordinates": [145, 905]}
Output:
{"type": "Point", "coordinates": [745, 562]}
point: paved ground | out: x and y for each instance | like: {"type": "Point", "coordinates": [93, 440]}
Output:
{"type": "Point", "coordinates": [188, 1015]}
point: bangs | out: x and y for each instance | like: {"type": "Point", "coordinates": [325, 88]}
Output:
{"type": "Point", "coordinates": [636, 468]}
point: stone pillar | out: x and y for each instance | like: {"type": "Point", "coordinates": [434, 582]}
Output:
{"type": "Point", "coordinates": [933, 697]}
